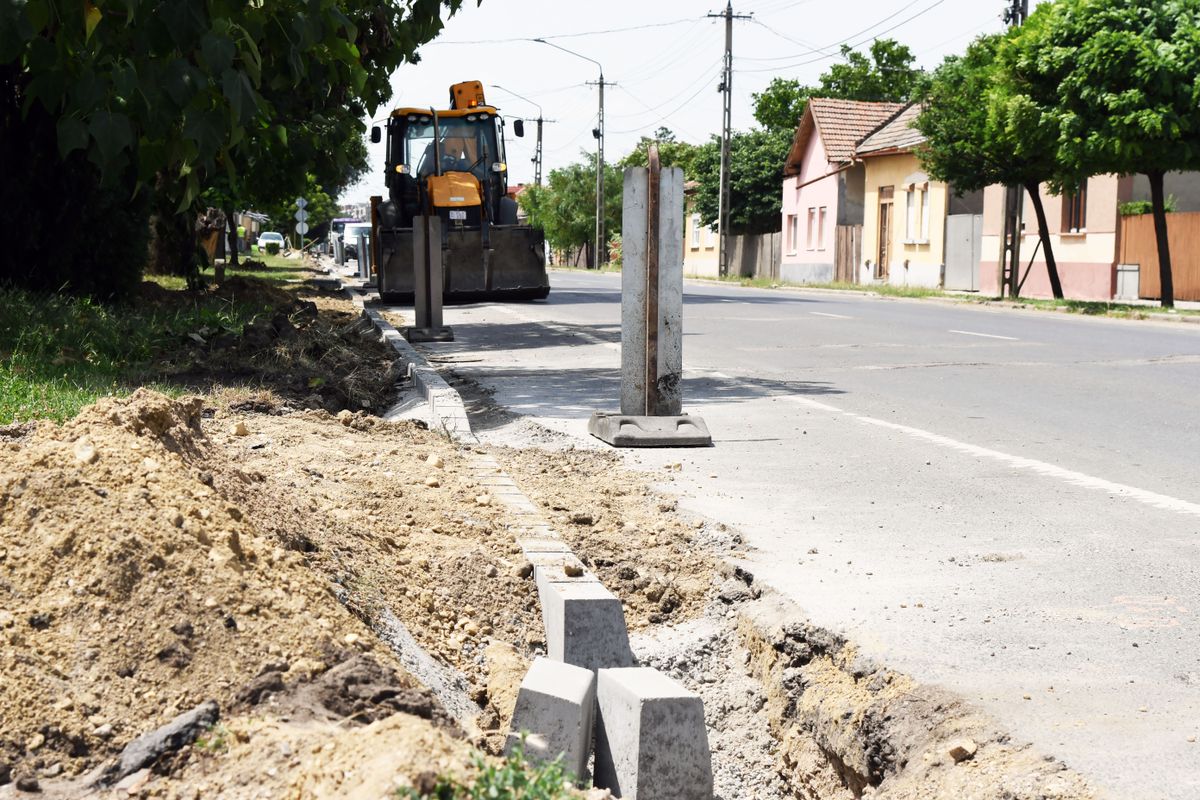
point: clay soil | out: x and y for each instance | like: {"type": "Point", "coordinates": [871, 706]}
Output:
{"type": "Point", "coordinates": [248, 544]}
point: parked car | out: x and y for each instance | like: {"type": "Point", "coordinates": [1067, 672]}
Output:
{"type": "Point", "coordinates": [271, 237]}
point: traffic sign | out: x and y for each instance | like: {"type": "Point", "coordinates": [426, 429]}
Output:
{"type": "Point", "coordinates": [301, 228]}
{"type": "Point", "coordinates": [301, 202]}
{"type": "Point", "coordinates": [301, 215]}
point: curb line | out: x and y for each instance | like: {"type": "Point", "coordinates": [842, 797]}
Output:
{"type": "Point", "coordinates": [445, 404]}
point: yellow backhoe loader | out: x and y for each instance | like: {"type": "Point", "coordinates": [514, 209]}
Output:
{"type": "Point", "coordinates": [451, 164]}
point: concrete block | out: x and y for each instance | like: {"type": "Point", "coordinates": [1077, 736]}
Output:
{"type": "Point", "coordinates": [585, 625]}
{"type": "Point", "coordinates": [556, 709]}
{"type": "Point", "coordinates": [651, 741]}
{"type": "Point", "coordinates": [542, 545]}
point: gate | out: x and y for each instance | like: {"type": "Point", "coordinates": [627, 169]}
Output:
{"type": "Point", "coordinates": [964, 235]}
{"type": "Point", "coordinates": [848, 253]}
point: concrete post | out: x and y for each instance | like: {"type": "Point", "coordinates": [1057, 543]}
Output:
{"type": "Point", "coordinates": [651, 317]}
{"type": "Point", "coordinates": [555, 709]}
{"type": "Point", "coordinates": [427, 283]}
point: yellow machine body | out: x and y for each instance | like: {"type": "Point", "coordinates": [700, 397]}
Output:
{"type": "Point", "coordinates": [453, 190]}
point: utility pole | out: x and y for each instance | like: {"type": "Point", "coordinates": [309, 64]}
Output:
{"type": "Point", "coordinates": [537, 154]}
{"type": "Point", "coordinates": [598, 133]}
{"type": "Point", "coordinates": [1009, 277]}
{"type": "Point", "coordinates": [726, 88]}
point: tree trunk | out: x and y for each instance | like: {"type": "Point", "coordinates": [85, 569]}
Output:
{"type": "Point", "coordinates": [1044, 233]}
{"type": "Point", "coordinates": [1164, 242]}
{"type": "Point", "coordinates": [173, 243]}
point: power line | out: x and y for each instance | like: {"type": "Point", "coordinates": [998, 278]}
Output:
{"type": "Point", "coordinates": [676, 110]}
{"type": "Point", "coordinates": [837, 45]}
{"type": "Point", "coordinates": [576, 35]}
{"type": "Point", "coordinates": [873, 36]}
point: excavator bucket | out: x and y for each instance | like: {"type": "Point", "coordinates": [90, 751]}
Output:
{"type": "Point", "coordinates": [511, 268]}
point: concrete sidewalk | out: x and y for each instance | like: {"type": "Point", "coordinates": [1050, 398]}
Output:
{"type": "Point", "coordinates": [1045, 570]}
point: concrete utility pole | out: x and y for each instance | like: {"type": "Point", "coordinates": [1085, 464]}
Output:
{"type": "Point", "coordinates": [598, 133]}
{"type": "Point", "coordinates": [726, 88]}
{"type": "Point", "coordinates": [1009, 278]}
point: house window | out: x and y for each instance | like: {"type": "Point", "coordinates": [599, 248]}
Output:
{"type": "Point", "coordinates": [793, 232]}
{"type": "Point", "coordinates": [925, 213]}
{"type": "Point", "coordinates": [812, 221]}
{"type": "Point", "coordinates": [1075, 210]}
{"type": "Point", "coordinates": [821, 228]}
{"type": "Point", "coordinates": [910, 214]}
{"type": "Point", "coordinates": [710, 237]}
{"type": "Point", "coordinates": [695, 231]}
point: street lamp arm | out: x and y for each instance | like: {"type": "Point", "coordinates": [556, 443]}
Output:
{"type": "Point", "coordinates": [572, 52]}
{"type": "Point", "coordinates": [519, 97]}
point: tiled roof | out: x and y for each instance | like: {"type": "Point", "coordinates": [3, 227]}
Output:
{"type": "Point", "coordinates": [841, 124]}
{"type": "Point", "coordinates": [897, 134]}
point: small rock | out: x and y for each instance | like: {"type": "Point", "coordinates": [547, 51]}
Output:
{"type": "Point", "coordinates": [6, 619]}
{"type": "Point", "coordinates": [435, 461]}
{"type": "Point", "coordinates": [132, 784]}
{"type": "Point", "coordinates": [85, 453]}
{"type": "Point", "coordinates": [582, 519]}
{"type": "Point", "coordinates": [149, 464]}
{"type": "Point", "coordinates": [104, 731]}
{"type": "Point", "coordinates": [483, 500]}
{"type": "Point", "coordinates": [523, 570]}
{"type": "Point", "coordinates": [27, 783]}
{"type": "Point", "coordinates": [573, 570]}
{"type": "Point", "coordinates": [492, 571]}
{"type": "Point", "coordinates": [35, 743]}
{"type": "Point", "coordinates": [54, 770]}
{"type": "Point", "coordinates": [962, 750]}
{"type": "Point", "coordinates": [240, 429]}
{"type": "Point", "coordinates": [432, 482]}
{"type": "Point", "coordinates": [351, 638]}
{"type": "Point", "coordinates": [345, 417]}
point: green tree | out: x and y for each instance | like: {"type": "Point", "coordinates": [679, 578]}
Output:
{"type": "Point", "coordinates": [565, 208]}
{"type": "Point", "coordinates": [781, 104]}
{"type": "Point", "coordinates": [756, 160]}
{"type": "Point", "coordinates": [321, 208]}
{"type": "Point", "coordinates": [1121, 76]}
{"type": "Point", "coordinates": [175, 92]}
{"type": "Point", "coordinates": [884, 73]}
{"type": "Point", "coordinates": [980, 130]}
{"type": "Point", "coordinates": [671, 153]}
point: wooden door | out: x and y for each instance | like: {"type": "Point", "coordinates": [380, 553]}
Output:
{"type": "Point", "coordinates": [886, 200]}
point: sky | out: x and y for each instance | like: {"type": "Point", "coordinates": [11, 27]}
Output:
{"type": "Point", "coordinates": [664, 57]}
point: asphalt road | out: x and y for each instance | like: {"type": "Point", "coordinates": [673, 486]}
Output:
{"type": "Point", "coordinates": [1005, 503]}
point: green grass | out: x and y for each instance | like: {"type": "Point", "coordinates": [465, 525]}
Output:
{"type": "Point", "coordinates": [1098, 309]}
{"type": "Point", "coordinates": [58, 354]}
{"type": "Point", "coordinates": [510, 779]}
{"type": "Point", "coordinates": [277, 270]}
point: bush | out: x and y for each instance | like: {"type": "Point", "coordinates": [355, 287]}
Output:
{"type": "Point", "coordinates": [1136, 208]}
{"type": "Point", "coordinates": [272, 248]}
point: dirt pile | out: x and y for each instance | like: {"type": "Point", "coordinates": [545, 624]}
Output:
{"type": "Point", "coordinates": [300, 348]}
{"type": "Point", "coordinates": [133, 588]}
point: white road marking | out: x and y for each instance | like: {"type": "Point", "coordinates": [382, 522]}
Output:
{"type": "Point", "coordinates": [833, 316]}
{"type": "Point", "coordinates": [987, 335]}
{"type": "Point", "coordinates": [1165, 502]}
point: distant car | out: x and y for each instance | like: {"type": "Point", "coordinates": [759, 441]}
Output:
{"type": "Point", "coordinates": [271, 237]}
{"type": "Point", "coordinates": [351, 234]}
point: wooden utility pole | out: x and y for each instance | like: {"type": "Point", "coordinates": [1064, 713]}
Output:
{"type": "Point", "coordinates": [1009, 277]}
{"type": "Point", "coordinates": [726, 88]}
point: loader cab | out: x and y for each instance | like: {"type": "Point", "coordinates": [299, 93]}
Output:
{"type": "Point", "coordinates": [447, 161]}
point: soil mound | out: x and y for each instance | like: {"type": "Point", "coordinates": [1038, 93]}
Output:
{"type": "Point", "coordinates": [132, 590]}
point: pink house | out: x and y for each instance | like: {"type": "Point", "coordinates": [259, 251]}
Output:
{"type": "Point", "coordinates": [823, 190]}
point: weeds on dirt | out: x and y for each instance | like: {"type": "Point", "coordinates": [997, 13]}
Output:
{"type": "Point", "coordinates": [510, 779]}
{"type": "Point", "coordinates": [1094, 308]}
{"type": "Point", "coordinates": [214, 740]}
{"type": "Point", "coordinates": [59, 353]}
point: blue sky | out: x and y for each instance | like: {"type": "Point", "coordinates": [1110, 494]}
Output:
{"type": "Point", "coordinates": [665, 58]}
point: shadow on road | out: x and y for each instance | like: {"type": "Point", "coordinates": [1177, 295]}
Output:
{"type": "Point", "coordinates": [495, 396]}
